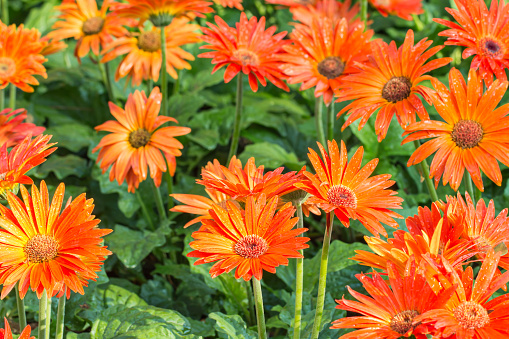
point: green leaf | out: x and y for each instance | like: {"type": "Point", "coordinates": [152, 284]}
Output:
{"type": "Point", "coordinates": [271, 155]}
{"type": "Point", "coordinates": [72, 136]}
{"type": "Point", "coordinates": [115, 295]}
{"type": "Point", "coordinates": [63, 166]}
{"type": "Point", "coordinates": [231, 326]}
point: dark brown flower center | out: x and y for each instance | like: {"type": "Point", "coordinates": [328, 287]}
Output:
{"type": "Point", "coordinates": [471, 315]}
{"type": "Point", "coordinates": [246, 57]}
{"type": "Point", "coordinates": [139, 138]}
{"type": "Point", "coordinates": [93, 25]}
{"type": "Point", "coordinates": [41, 248]}
{"type": "Point", "coordinates": [397, 89]}
{"type": "Point", "coordinates": [331, 67]}
{"type": "Point", "coordinates": [402, 322]}
{"type": "Point", "coordinates": [251, 246]}
{"type": "Point", "coordinates": [491, 48]}
{"type": "Point", "coordinates": [342, 196]}
{"type": "Point", "coordinates": [467, 133]}
{"type": "Point", "coordinates": [7, 67]}
{"type": "Point", "coordinates": [149, 41]}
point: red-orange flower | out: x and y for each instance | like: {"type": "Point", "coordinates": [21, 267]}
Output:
{"type": "Point", "coordinates": [144, 54]}
{"type": "Point", "coordinates": [323, 54]}
{"type": "Point", "coordinates": [484, 34]}
{"type": "Point", "coordinates": [5, 333]}
{"type": "Point", "coordinates": [20, 57]}
{"type": "Point", "coordinates": [93, 28]}
{"type": "Point", "coordinates": [12, 128]}
{"type": "Point", "coordinates": [249, 48]}
{"type": "Point", "coordinates": [332, 9]}
{"type": "Point", "coordinates": [137, 140]}
{"type": "Point", "coordinates": [230, 3]}
{"type": "Point", "coordinates": [251, 241]}
{"type": "Point", "coordinates": [52, 46]}
{"type": "Point", "coordinates": [390, 83]}
{"type": "Point", "coordinates": [473, 136]}
{"type": "Point", "coordinates": [402, 8]}
{"type": "Point", "coordinates": [42, 247]}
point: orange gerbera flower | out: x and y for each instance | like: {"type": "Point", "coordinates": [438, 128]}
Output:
{"type": "Point", "coordinates": [402, 8]}
{"type": "Point", "coordinates": [469, 314]}
{"type": "Point", "coordinates": [5, 333]}
{"type": "Point", "coordinates": [20, 57]}
{"type": "Point", "coordinates": [137, 140]}
{"type": "Point", "coordinates": [13, 129]}
{"type": "Point", "coordinates": [52, 46]}
{"type": "Point", "coordinates": [251, 241]}
{"type": "Point", "coordinates": [332, 9]}
{"type": "Point", "coordinates": [41, 247]}
{"type": "Point", "coordinates": [230, 3]}
{"type": "Point", "coordinates": [483, 32]}
{"type": "Point", "coordinates": [390, 311]}
{"type": "Point", "coordinates": [144, 54]}
{"type": "Point", "coordinates": [346, 189]}
{"type": "Point", "coordinates": [390, 82]}
{"type": "Point", "coordinates": [23, 157]}
{"type": "Point", "coordinates": [249, 48]}
{"type": "Point", "coordinates": [91, 27]}
{"type": "Point", "coordinates": [324, 53]}
{"type": "Point", "coordinates": [473, 136]}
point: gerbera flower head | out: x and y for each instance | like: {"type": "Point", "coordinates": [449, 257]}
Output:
{"type": "Point", "coordinates": [332, 9]}
{"type": "Point", "coordinates": [42, 247]}
{"type": "Point", "coordinates": [390, 83]}
{"type": "Point", "coordinates": [484, 34]}
{"type": "Point", "coordinates": [13, 129]}
{"type": "Point", "coordinates": [93, 28]}
{"type": "Point", "coordinates": [249, 48]}
{"type": "Point", "coordinates": [323, 54]}
{"type": "Point", "coordinates": [230, 3]}
{"type": "Point", "coordinates": [137, 140]}
{"type": "Point", "coordinates": [20, 57]}
{"type": "Point", "coordinates": [343, 187]}
{"type": "Point", "coordinates": [143, 52]}
{"type": "Point", "coordinates": [52, 46]}
{"type": "Point", "coordinates": [6, 333]}
{"type": "Point", "coordinates": [472, 137]}
{"type": "Point", "coordinates": [402, 8]}
{"type": "Point", "coordinates": [253, 240]}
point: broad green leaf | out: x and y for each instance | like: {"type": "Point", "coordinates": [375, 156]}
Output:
{"type": "Point", "coordinates": [271, 155]}
{"type": "Point", "coordinates": [63, 166]}
{"type": "Point", "coordinates": [231, 326]}
{"type": "Point", "coordinates": [72, 136]}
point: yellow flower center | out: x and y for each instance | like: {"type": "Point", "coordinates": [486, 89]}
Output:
{"type": "Point", "coordinates": [397, 89]}
{"type": "Point", "coordinates": [467, 133]}
{"type": "Point", "coordinates": [246, 57]}
{"type": "Point", "coordinates": [41, 248]}
{"type": "Point", "coordinates": [402, 322]}
{"type": "Point", "coordinates": [492, 48]}
{"type": "Point", "coordinates": [471, 315]}
{"type": "Point", "coordinates": [251, 246]}
{"type": "Point", "coordinates": [7, 67]}
{"type": "Point", "coordinates": [139, 138]}
{"type": "Point", "coordinates": [342, 196]}
{"type": "Point", "coordinates": [93, 25]}
{"type": "Point", "coordinates": [149, 41]}
{"type": "Point", "coordinates": [331, 67]}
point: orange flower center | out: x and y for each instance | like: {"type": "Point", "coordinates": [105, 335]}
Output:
{"type": "Point", "coordinates": [246, 57]}
{"type": "Point", "coordinates": [402, 322]}
{"type": "Point", "coordinates": [342, 196]}
{"type": "Point", "coordinates": [149, 41]}
{"type": "Point", "coordinates": [491, 48]}
{"type": "Point", "coordinates": [93, 25]}
{"type": "Point", "coordinates": [7, 67]}
{"type": "Point", "coordinates": [41, 248]}
{"type": "Point", "coordinates": [397, 89]}
{"type": "Point", "coordinates": [139, 138]}
{"type": "Point", "coordinates": [471, 315]}
{"type": "Point", "coordinates": [251, 246]}
{"type": "Point", "coordinates": [331, 67]}
{"type": "Point", "coordinates": [467, 133]}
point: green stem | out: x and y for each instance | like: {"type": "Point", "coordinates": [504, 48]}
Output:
{"type": "Point", "coordinates": [425, 172]}
{"type": "Point", "coordinates": [169, 184]}
{"type": "Point", "coordinates": [150, 85]}
{"type": "Point", "coordinates": [238, 112]}
{"type": "Point", "coordinates": [2, 99]}
{"type": "Point", "coordinates": [478, 194]}
{"type": "Point", "coordinates": [330, 121]}
{"type": "Point", "coordinates": [22, 319]}
{"type": "Point", "coordinates": [5, 14]}
{"type": "Point", "coordinates": [164, 82]}
{"type": "Point", "coordinates": [299, 281]}
{"type": "Point", "coordinates": [260, 317]}
{"type": "Point", "coordinates": [43, 324]}
{"type": "Point", "coordinates": [319, 121]}
{"type": "Point", "coordinates": [145, 210]}
{"type": "Point", "coordinates": [176, 88]}
{"type": "Point", "coordinates": [60, 317]}
{"type": "Point", "coordinates": [468, 184]}
{"type": "Point", "coordinates": [323, 276]}
{"type": "Point", "coordinates": [250, 302]}
{"type": "Point", "coordinates": [12, 97]}
{"type": "Point", "coordinates": [159, 202]}
{"type": "Point", "coordinates": [364, 10]}
{"type": "Point", "coordinates": [48, 317]}
{"type": "Point", "coordinates": [105, 71]}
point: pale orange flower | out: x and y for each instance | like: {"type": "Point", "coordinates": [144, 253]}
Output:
{"type": "Point", "coordinates": [13, 129]}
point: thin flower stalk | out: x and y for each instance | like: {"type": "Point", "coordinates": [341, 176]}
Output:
{"type": "Point", "coordinates": [319, 120]}
{"type": "Point", "coordinates": [43, 325]}
{"type": "Point", "coordinates": [60, 318]}
{"type": "Point", "coordinates": [425, 172]}
{"type": "Point", "coordinates": [238, 116]}
{"type": "Point", "coordinates": [299, 281]}
{"type": "Point", "coordinates": [22, 318]}
{"type": "Point", "coordinates": [260, 316]}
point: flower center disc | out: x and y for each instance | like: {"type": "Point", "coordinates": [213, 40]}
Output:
{"type": "Point", "coordinates": [467, 133]}
{"type": "Point", "coordinates": [491, 48]}
{"type": "Point", "coordinates": [139, 138]}
{"type": "Point", "coordinates": [342, 196]}
{"type": "Point", "coordinates": [41, 248]}
{"type": "Point", "coordinates": [402, 322]}
{"type": "Point", "coordinates": [251, 246]}
{"type": "Point", "coordinates": [246, 57]}
{"type": "Point", "coordinates": [331, 67]}
{"type": "Point", "coordinates": [397, 89]}
{"type": "Point", "coordinates": [7, 67]}
{"type": "Point", "coordinates": [93, 25]}
{"type": "Point", "coordinates": [471, 315]}
{"type": "Point", "coordinates": [149, 41]}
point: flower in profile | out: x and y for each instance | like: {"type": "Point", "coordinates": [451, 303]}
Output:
{"type": "Point", "coordinates": [323, 54]}
{"type": "Point", "coordinates": [143, 52]}
{"type": "Point", "coordinates": [402, 8]}
{"type": "Point", "coordinates": [13, 129]}
{"type": "Point", "coordinates": [52, 46]}
{"type": "Point", "coordinates": [42, 247]}
{"type": "Point", "coordinates": [6, 333]}
{"type": "Point", "coordinates": [483, 33]}
{"type": "Point", "coordinates": [471, 137]}
{"type": "Point", "coordinates": [332, 9]}
{"type": "Point", "coordinates": [390, 83]}
{"type": "Point", "coordinates": [137, 140]}
{"type": "Point", "coordinates": [24, 156]}
{"type": "Point", "coordinates": [249, 48]}
{"type": "Point", "coordinates": [20, 57]}
{"type": "Point", "coordinates": [230, 3]}
{"type": "Point", "coordinates": [251, 241]}
{"type": "Point", "coordinates": [91, 27]}
{"type": "Point", "coordinates": [343, 187]}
